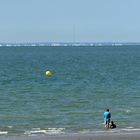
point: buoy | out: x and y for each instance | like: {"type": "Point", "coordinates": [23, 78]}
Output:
{"type": "Point", "coordinates": [49, 73]}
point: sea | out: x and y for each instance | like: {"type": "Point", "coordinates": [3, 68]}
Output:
{"type": "Point", "coordinates": [85, 82]}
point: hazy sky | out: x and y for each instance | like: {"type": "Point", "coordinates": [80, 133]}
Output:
{"type": "Point", "coordinates": [69, 20]}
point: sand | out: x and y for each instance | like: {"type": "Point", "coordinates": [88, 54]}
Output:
{"type": "Point", "coordinates": [106, 136]}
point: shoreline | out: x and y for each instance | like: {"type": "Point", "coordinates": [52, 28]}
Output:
{"type": "Point", "coordinates": [86, 136]}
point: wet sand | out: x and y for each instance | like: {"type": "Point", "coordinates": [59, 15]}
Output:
{"type": "Point", "coordinates": [114, 136]}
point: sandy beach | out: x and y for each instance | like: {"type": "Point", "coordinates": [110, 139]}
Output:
{"type": "Point", "coordinates": [107, 136]}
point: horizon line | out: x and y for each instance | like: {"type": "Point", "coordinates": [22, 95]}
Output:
{"type": "Point", "coordinates": [67, 42]}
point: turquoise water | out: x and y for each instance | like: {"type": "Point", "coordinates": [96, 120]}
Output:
{"type": "Point", "coordinates": [85, 81]}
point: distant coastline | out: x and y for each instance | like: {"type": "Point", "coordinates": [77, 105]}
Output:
{"type": "Point", "coordinates": [70, 44]}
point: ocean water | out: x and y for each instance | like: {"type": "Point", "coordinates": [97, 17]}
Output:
{"type": "Point", "coordinates": [85, 81]}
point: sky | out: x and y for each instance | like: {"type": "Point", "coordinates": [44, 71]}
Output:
{"type": "Point", "coordinates": [69, 21]}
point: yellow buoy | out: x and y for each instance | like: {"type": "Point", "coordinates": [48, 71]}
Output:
{"type": "Point", "coordinates": [49, 73]}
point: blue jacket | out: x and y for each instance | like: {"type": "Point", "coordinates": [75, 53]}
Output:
{"type": "Point", "coordinates": [107, 115]}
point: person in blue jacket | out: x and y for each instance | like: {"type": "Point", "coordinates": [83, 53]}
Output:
{"type": "Point", "coordinates": [107, 116]}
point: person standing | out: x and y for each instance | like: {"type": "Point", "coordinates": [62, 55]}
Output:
{"type": "Point", "coordinates": [107, 116]}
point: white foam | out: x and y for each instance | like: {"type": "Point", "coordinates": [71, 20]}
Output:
{"type": "Point", "coordinates": [10, 126]}
{"type": "Point", "coordinates": [35, 132]}
{"type": "Point", "coordinates": [45, 131]}
{"type": "Point", "coordinates": [131, 129]}
{"type": "Point", "coordinates": [36, 129]}
{"type": "Point", "coordinates": [3, 132]}
{"type": "Point", "coordinates": [128, 111]}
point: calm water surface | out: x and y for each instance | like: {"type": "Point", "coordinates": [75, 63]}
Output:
{"type": "Point", "coordinates": [85, 81]}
